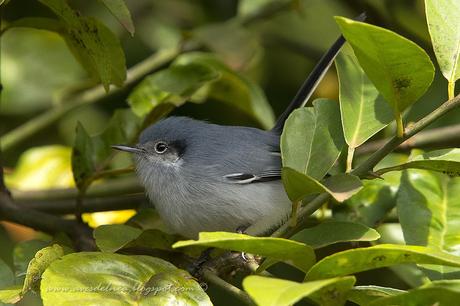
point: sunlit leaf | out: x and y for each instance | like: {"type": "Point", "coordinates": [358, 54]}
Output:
{"type": "Point", "coordinates": [10, 295]}
{"type": "Point", "coordinates": [278, 292]}
{"type": "Point", "coordinates": [364, 111]}
{"type": "Point", "coordinates": [292, 252]}
{"type": "Point", "coordinates": [328, 233]}
{"type": "Point", "coordinates": [446, 161]}
{"type": "Point", "coordinates": [42, 168]}
{"type": "Point", "coordinates": [420, 296]}
{"type": "Point", "coordinates": [93, 44]}
{"type": "Point", "coordinates": [364, 295]}
{"type": "Point", "coordinates": [298, 185]}
{"type": "Point", "coordinates": [383, 255]}
{"type": "Point", "coordinates": [442, 19]}
{"type": "Point", "coordinates": [399, 69]}
{"type": "Point", "coordinates": [120, 11]}
{"type": "Point", "coordinates": [312, 138]}
{"type": "Point", "coordinates": [331, 232]}
{"type": "Point", "coordinates": [428, 206]}
{"type": "Point", "coordinates": [107, 278]}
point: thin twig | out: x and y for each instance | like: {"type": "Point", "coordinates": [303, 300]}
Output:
{"type": "Point", "coordinates": [212, 278]}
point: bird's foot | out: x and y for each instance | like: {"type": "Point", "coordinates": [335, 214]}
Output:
{"type": "Point", "coordinates": [195, 268]}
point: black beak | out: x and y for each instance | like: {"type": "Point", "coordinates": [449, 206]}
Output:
{"type": "Point", "coordinates": [128, 149]}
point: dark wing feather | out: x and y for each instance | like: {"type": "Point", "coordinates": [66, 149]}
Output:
{"type": "Point", "coordinates": [247, 178]}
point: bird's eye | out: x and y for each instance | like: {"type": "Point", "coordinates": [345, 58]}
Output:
{"type": "Point", "coordinates": [161, 147]}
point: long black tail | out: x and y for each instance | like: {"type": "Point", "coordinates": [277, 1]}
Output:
{"type": "Point", "coordinates": [313, 79]}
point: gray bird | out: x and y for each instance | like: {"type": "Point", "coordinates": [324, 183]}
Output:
{"type": "Point", "coordinates": [207, 177]}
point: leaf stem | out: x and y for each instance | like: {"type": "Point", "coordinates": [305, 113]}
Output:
{"type": "Point", "coordinates": [399, 125]}
{"type": "Point", "coordinates": [451, 89]}
{"type": "Point", "coordinates": [350, 154]}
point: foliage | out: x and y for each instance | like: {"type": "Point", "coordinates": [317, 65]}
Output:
{"type": "Point", "coordinates": [379, 211]}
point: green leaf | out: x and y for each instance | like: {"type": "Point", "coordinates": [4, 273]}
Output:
{"type": "Point", "coordinates": [250, 8]}
{"type": "Point", "coordinates": [363, 110]}
{"type": "Point", "coordinates": [154, 239]}
{"type": "Point", "coordinates": [147, 218]}
{"type": "Point", "coordinates": [120, 11]}
{"type": "Point", "coordinates": [376, 199]}
{"type": "Point", "coordinates": [383, 255]}
{"type": "Point", "coordinates": [331, 232]}
{"type": "Point", "coordinates": [11, 295]}
{"type": "Point", "coordinates": [172, 85]}
{"type": "Point", "coordinates": [298, 185]}
{"type": "Point", "coordinates": [446, 161]}
{"type": "Point", "coordinates": [292, 252]}
{"type": "Point", "coordinates": [278, 292]}
{"type": "Point", "coordinates": [420, 296]}
{"type": "Point", "coordinates": [399, 69]}
{"type": "Point", "coordinates": [111, 238]}
{"type": "Point", "coordinates": [92, 43]}
{"type": "Point", "coordinates": [6, 275]}
{"type": "Point", "coordinates": [89, 153]}
{"type": "Point", "coordinates": [114, 279]}
{"type": "Point", "coordinates": [312, 138]}
{"type": "Point", "coordinates": [364, 295]}
{"type": "Point", "coordinates": [233, 89]}
{"type": "Point", "coordinates": [38, 265]}
{"type": "Point", "coordinates": [236, 45]}
{"type": "Point", "coordinates": [328, 233]}
{"type": "Point", "coordinates": [428, 206]}
{"type": "Point", "coordinates": [40, 23]}
{"type": "Point", "coordinates": [444, 28]}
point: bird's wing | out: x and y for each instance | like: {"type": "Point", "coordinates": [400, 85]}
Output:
{"type": "Point", "coordinates": [247, 178]}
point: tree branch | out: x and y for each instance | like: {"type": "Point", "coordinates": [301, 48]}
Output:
{"type": "Point", "coordinates": [65, 207]}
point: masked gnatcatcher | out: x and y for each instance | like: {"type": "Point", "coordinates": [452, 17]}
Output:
{"type": "Point", "coordinates": [207, 177]}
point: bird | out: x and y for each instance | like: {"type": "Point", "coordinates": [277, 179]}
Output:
{"type": "Point", "coordinates": [205, 177]}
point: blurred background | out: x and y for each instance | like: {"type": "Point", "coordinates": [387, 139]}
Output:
{"type": "Point", "coordinates": [275, 50]}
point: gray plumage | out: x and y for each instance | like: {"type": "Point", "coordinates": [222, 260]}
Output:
{"type": "Point", "coordinates": [208, 177]}
{"type": "Point", "coordinates": [212, 177]}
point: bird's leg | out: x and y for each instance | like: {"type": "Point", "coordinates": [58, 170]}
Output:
{"type": "Point", "coordinates": [241, 230]}
{"type": "Point", "coordinates": [195, 267]}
